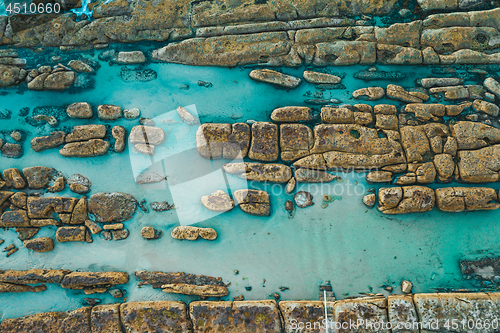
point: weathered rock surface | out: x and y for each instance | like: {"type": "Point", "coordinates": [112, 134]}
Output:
{"type": "Point", "coordinates": [14, 218]}
{"type": "Point", "coordinates": [81, 110]}
{"type": "Point", "coordinates": [187, 117]}
{"type": "Point", "coordinates": [260, 316]}
{"type": "Point", "coordinates": [341, 115]}
{"type": "Point", "coordinates": [459, 199]}
{"type": "Point", "coordinates": [303, 199]}
{"type": "Point", "coordinates": [112, 207]}
{"type": "Point", "coordinates": [398, 93]}
{"type": "Point", "coordinates": [59, 80]}
{"type": "Point", "coordinates": [13, 179]}
{"type": "Point", "coordinates": [296, 140]}
{"type": "Point", "coordinates": [445, 166]}
{"type": "Point", "coordinates": [303, 313]}
{"type": "Point", "coordinates": [157, 279]}
{"type": "Point", "coordinates": [71, 234]}
{"type": "Point", "coordinates": [55, 139]}
{"type": "Point", "coordinates": [492, 85]}
{"type": "Point", "coordinates": [274, 173]}
{"type": "Point", "coordinates": [486, 107]}
{"type": "Point", "coordinates": [218, 201]}
{"type": "Point", "coordinates": [369, 200]}
{"type": "Point", "coordinates": [479, 166]}
{"type": "Point", "coordinates": [133, 57]}
{"type": "Point", "coordinates": [106, 318]}
{"type": "Point", "coordinates": [264, 145]}
{"type": "Point", "coordinates": [73, 321]}
{"type": "Point", "coordinates": [369, 309]}
{"type": "Point", "coordinates": [472, 135]}
{"type": "Point", "coordinates": [12, 150]}
{"type": "Point", "coordinates": [192, 233]}
{"type": "Point", "coordinates": [86, 132]}
{"type": "Point", "coordinates": [18, 199]}
{"type": "Point", "coordinates": [407, 199]}
{"type": "Point", "coordinates": [379, 177]}
{"type": "Point", "coordinates": [44, 207]}
{"type": "Point", "coordinates": [38, 177]}
{"type": "Point", "coordinates": [440, 82]}
{"type": "Point", "coordinates": [189, 289]}
{"type": "Point", "coordinates": [159, 316]}
{"type": "Point", "coordinates": [214, 141]}
{"type": "Point", "coordinates": [402, 313]}
{"type": "Point", "coordinates": [291, 114]}
{"type": "Point", "coordinates": [147, 134]}
{"type": "Point", "coordinates": [275, 78]}
{"type": "Point", "coordinates": [369, 94]}
{"type": "Point", "coordinates": [91, 148]}
{"type": "Point", "coordinates": [109, 112]}
{"type": "Point", "coordinates": [321, 78]}
{"type": "Point", "coordinates": [313, 176]}
{"type": "Point", "coordinates": [80, 66]}
{"type": "Point", "coordinates": [40, 244]}
{"type": "Point", "coordinates": [120, 135]}
{"type": "Point", "coordinates": [426, 111]}
{"type": "Point", "coordinates": [83, 280]}
{"type": "Point", "coordinates": [415, 143]}
{"type": "Point", "coordinates": [253, 202]}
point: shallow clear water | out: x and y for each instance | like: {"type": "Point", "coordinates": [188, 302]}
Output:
{"type": "Point", "coordinates": [356, 248]}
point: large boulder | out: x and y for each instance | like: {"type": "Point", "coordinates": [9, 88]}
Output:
{"type": "Point", "coordinates": [132, 57]}
{"type": "Point", "coordinates": [472, 135]}
{"type": "Point", "coordinates": [33, 276]}
{"type": "Point", "coordinates": [81, 110]}
{"type": "Point", "coordinates": [38, 177]}
{"type": "Point", "coordinates": [91, 148]}
{"type": "Point", "coordinates": [112, 207]}
{"type": "Point", "coordinates": [459, 199]}
{"type": "Point", "coordinates": [40, 244]}
{"type": "Point", "coordinates": [305, 314]}
{"type": "Point", "coordinates": [408, 199]}
{"type": "Point", "coordinates": [214, 141]}
{"type": "Point", "coordinates": [264, 145]}
{"type": "Point", "coordinates": [71, 234]}
{"type": "Point", "coordinates": [479, 166]}
{"type": "Point", "coordinates": [372, 311]}
{"type": "Point", "coordinates": [274, 173]}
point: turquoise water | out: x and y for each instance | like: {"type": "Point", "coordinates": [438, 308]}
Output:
{"type": "Point", "coordinates": [356, 248]}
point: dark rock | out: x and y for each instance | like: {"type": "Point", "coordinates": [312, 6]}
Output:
{"type": "Point", "coordinates": [71, 234]}
{"type": "Point", "coordinates": [120, 234]}
{"type": "Point", "coordinates": [159, 316]}
{"type": "Point", "coordinates": [91, 148]}
{"type": "Point", "coordinates": [112, 207]}
{"type": "Point", "coordinates": [12, 150]}
{"type": "Point", "coordinates": [379, 75]}
{"type": "Point", "coordinates": [38, 177]}
{"type": "Point", "coordinates": [41, 244]}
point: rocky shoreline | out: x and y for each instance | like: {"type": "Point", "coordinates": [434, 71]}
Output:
{"type": "Point", "coordinates": [418, 310]}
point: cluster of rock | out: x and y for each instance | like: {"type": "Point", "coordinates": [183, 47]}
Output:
{"type": "Point", "coordinates": [28, 213]}
{"type": "Point", "coordinates": [418, 199]}
{"type": "Point", "coordinates": [253, 202]}
{"type": "Point", "coordinates": [182, 283]}
{"type": "Point", "coordinates": [11, 66]}
{"type": "Point", "coordinates": [89, 282]}
{"type": "Point", "coordinates": [452, 38]}
{"type": "Point", "coordinates": [193, 233]}
{"type": "Point", "coordinates": [12, 149]}
{"type": "Point", "coordinates": [47, 78]}
{"type": "Point", "coordinates": [368, 314]}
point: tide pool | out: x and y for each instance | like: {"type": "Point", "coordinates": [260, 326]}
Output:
{"type": "Point", "coordinates": [356, 248]}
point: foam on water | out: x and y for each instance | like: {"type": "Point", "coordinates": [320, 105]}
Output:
{"type": "Point", "coordinates": [356, 248]}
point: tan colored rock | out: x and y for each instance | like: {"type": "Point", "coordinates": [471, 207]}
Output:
{"type": "Point", "coordinates": [13, 179]}
{"type": "Point", "coordinates": [114, 226]}
{"type": "Point", "coordinates": [80, 66]}
{"type": "Point", "coordinates": [451, 93]}
{"type": "Point", "coordinates": [44, 207]}
{"type": "Point", "coordinates": [402, 312]}
{"type": "Point", "coordinates": [132, 57]}
{"type": "Point", "coordinates": [406, 179]}
{"type": "Point", "coordinates": [262, 316]}
{"type": "Point", "coordinates": [445, 166]}
{"type": "Point", "coordinates": [313, 176]}
{"type": "Point", "coordinates": [459, 199]}
{"type": "Point", "coordinates": [192, 233]}
{"type": "Point", "coordinates": [369, 309]}
{"type": "Point", "coordinates": [93, 227]}
{"type": "Point", "coordinates": [38, 177]}
{"type": "Point", "coordinates": [153, 316]}
{"type": "Point", "coordinates": [379, 177]}
{"type": "Point", "coordinates": [406, 286]}
{"type": "Point", "coordinates": [14, 218]}
{"type": "Point", "coordinates": [440, 82]}
{"type": "Point", "coordinates": [321, 78]}
{"type": "Point", "coordinates": [275, 173]}
{"type": "Point", "coordinates": [82, 280]}
{"type": "Point", "coordinates": [369, 94]}
{"type": "Point", "coordinates": [398, 55]}
{"type": "Point", "coordinates": [492, 85]}
{"type": "Point", "coordinates": [59, 80]}
{"type": "Point", "coordinates": [147, 135]}
{"type": "Point", "coordinates": [214, 141]}
{"type": "Point", "coordinates": [218, 201]}
{"type": "Point", "coordinates": [296, 140]}
{"type": "Point", "coordinates": [33, 276]}
{"type": "Point", "coordinates": [455, 110]}
{"type": "Point", "coordinates": [369, 200]}
{"type": "Point", "coordinates": [343, 53]}
{"type": "Point", "coordinates": [426, 173]}
{"type": "Point", "coordinates": [408, 199]}
{"type": "Point", "coordinates": [472, 135]}
{"type": "Point", "coordinates": [59, 185]}
{"type": "Point", "coordinates": [189, 289]}
{"type": "Point", "coordinates": [43, 222]}
{"type": "Point", "coordinates": [86, 132]}
{"type": "Point", "coordinates": [120, 135]}
{"type": "Point", "coordinates": [80, 111]}
{"type": "Point", "coordinates": [276, 78]}
{"type": "Point", "coordinates": [109, 112]}
{"type": "Point", "coordinates": [386, 122]}
{"type": "Point", "coordinates": [315, 161]}
{"type": "Point", "coordinates": [264, 145]}
{"type": "Point", "coordinates": [71, 234]}
{"type": "Point", "coordinates": [253, 202]}
{"type": "Point", "coordinates": [290, 186]}
{"type": "Point", "coordinates": [333, 115]}
{"type": "Point", "coordinates": [486, 107]}
{"type": "Point", "coordinates": [415, 143]}
{"type": "Point", "coordinates": [451, 146]}
{"type": "Point", "coordinates": [291, 114]}
{"type": "Point", "coordinates": [145, 149]}
{"type": "Point", "coordinates": [426, 111]}
{"type": "Point", "coordinates": [18, 199]}
{"type": "Point", "coordinates": [363, 118]}
{"type": "Point", "coordinates": [302, 314]}
{"type": "Point", "coordinates": [398, 93]}
{"type": "Point", "coordinates": [112, 207]}
{"type": "Point", "coordinates": [72, 321]}
{"type": "Point", "coordinates": [187, 117]}
{"type": "Point", "coordinates": [91, 148]}
{"type": "Point", "coordinates": [407, 34]}
{"type": "Point", "coordinates": [55, 139]}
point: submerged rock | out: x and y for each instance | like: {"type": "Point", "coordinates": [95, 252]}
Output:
{"type": "Point", "coordinates": [218, 201]}
{"type": "Point", "coordinates": [38, 177]}
{"type": "Point", "coordinates": [303, 199]}
{"type": "Point", "coordinates": [149, 178]}
{"type": "Point", "coordinates": [132, 113]}
{"type": "Point", "coordinates": [187, 117]}
{"type": "Point", "coordinates": [276, 78]}
{"type": "Point", "coordinates": [112, 207]}
{"type": "Point", "coordinates": [138, 75]}
{"type": "Point", "coordinates": [109, 112]}
{"type": "Point", "coordinates": [147, 135]}
{"type": "Point", "coordinates": [162, 206]}
{"type": "Point", "coordinates": [145, 149]}
{"type": "Point", "coordinates": [321, 78]}
{"type": "Point", "coordinates": [151, 233]}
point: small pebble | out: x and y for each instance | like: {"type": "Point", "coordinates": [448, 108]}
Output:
{"type": "Point", "coordinates": [248, 288]}
{"type": "Point", "coordinates": [16, 136]}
